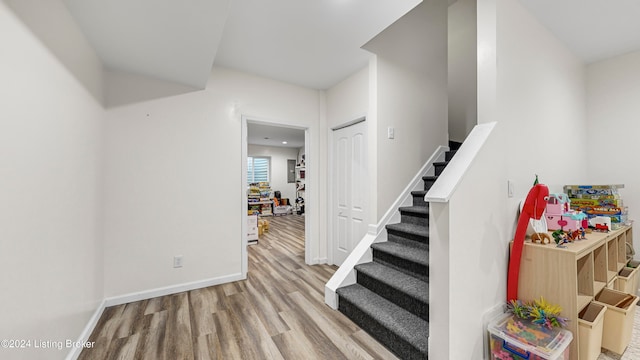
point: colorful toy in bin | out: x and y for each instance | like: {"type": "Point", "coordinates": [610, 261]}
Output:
{"type": "Point", "coordinates": [538, 311]}
{"type": "Point", "coordinates": [512, 338]}
{"type": "Point", "coordinates": [530, 330]}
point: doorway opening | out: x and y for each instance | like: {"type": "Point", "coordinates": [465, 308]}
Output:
{"type": "Point", "coordinates": [274, 175]}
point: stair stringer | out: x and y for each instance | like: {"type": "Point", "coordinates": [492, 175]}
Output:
{"type": "Point", "coordinates": [346, 275]}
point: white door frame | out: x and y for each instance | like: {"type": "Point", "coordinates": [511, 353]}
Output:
{"type": "Point", "coordinates": [331, 189]}
{"type": "Point", "coordinates": [309, 241]}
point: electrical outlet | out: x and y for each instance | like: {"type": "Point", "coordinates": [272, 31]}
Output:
{"type": "Point", "coordinates": [177, 261]}
{"type": "Point", "coordinates": [510, 188]}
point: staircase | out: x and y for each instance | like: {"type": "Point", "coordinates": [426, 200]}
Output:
{"type": "Point", "coordinates": [390, 299]}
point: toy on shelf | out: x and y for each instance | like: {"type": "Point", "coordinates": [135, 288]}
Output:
{"type": "Point", "coordinates": [533, 207]}
{"type": "Point", "coordinates": [600, 223]}
{"type": "Point", "coordinates": [599, 200]}
{"type": "Point", "coordinates": [542, 238]}
{"type": "Point", "coordinates": [560, 238]}
{"type": "Point", "coordinates": [560, 216]}
{"type": "Point", "coordinates": [576, 235]}
{"type": "Point", "coordinates": [602, 228]}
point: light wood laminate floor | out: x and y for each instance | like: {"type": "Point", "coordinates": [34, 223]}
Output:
{"type": "Point", "coordinates": [277, 313]}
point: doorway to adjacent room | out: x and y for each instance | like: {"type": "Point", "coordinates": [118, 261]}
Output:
{"type": "Point", "coordinates": [274, 200]}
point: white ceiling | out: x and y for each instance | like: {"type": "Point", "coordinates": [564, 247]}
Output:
{"type": "Point", "coordinates": [310, 43]}
{"type": "Point", "coordinates": [166, 39]}
{"type": "Point", "coordinates": [313, 43]}
{"type": "Point", "coordinates": [593, 29]}
{"type": "Point", "coordinates": [256, 134]}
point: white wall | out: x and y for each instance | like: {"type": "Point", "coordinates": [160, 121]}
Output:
{"type": "Point", "coordinates": [611, 145]}
{"type": "Point", "coordinates": [173, 179]}
{"type": "Point", "coordinates": [53, 24]}
{"type": "Point", "coordinates": [474, 257]}
{"type": "Point", "coordinates": [540, 108]}
{"type": "Point", "coordinates": [279, 157]}
{"type": "Point", "coordinates": [348, 100]}
{"type": "Point", "coordinates": [411, 82]}
{"type": "Point", "coordinates": [462, 58]}
{"type": "Point", "coordinates": [542, 101]}
{"type": "Point", "coordinates": [50, 160]}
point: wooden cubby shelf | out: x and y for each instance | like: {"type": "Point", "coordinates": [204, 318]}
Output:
{"type": "Point", "coordinates": [572, 276]}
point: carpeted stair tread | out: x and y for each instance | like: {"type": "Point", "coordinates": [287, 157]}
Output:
{"type": "Point", "coordinates": [412, 254]}
{"type": "Point", "coordinates": [396, 320]}
{"type": "Point", "coordinates": [418, 210]}
{"type": "Point", "coordinates": [412, 229]}
{"type": "Point", "coordinates": [429, 178]}
{"type": "Point", "coordinates": [398, 280]}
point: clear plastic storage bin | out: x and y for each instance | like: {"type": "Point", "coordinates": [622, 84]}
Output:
{"type": "Point", "coordinates": [513, 339]}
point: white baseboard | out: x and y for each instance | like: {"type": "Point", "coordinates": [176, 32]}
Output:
{"type": "Point", "coordinates": [173, 289]}
{"type": "Point", "coordinates": [88, 329]}
{"type": "Point", "coordinates": [320, 261]}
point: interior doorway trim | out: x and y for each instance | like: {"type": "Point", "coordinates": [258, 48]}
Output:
{"type": "Point", "coordinates": [309, 241]}
{"type": "Point", "coordinates": [350, 123]}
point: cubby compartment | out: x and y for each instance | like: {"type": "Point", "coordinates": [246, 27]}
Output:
{"type": "Point", "coordinates": [600, 279]}
{"type": "Point", "coordinates": [612, 259]}
{"type": "Point", "coordinates": [622, 250]}
{"type": "Point", "coordinates": [585, 280]}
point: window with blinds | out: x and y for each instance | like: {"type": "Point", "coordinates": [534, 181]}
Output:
{"type": "Point", "coordinates": [257, 169]}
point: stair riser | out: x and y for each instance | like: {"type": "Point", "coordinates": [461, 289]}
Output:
{"type": "Point", "coordinates": [454, 145]}
{"type": "Point", "coordinates": [407, 239]}
{"type": "Point", "coordinates": [418, 270]}
{"type": "Point", "coordinates": [428, 184]}
{"type": "Point", "coordinates": [439, 169]}
{"type": "Point", "coordinates": [418, 200]}
{"type": "Point", "coordinates": [393, 342]}
{"type": "Point", "coordinates": [413, 305]}
{"type": "Point", "coordinates": [449, 155]}
{"type": "Point", "coordinates": [413, 218]}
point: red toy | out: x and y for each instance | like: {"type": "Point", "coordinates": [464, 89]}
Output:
{"type": "Point", "coordinates": [533, 208]}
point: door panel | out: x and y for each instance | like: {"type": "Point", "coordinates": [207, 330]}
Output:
{"type": "Point", "coordinates": [351, 189]}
